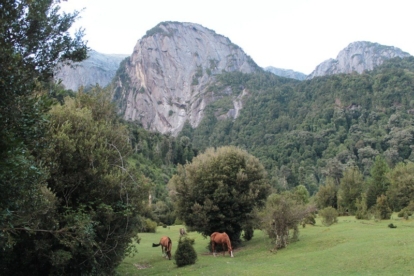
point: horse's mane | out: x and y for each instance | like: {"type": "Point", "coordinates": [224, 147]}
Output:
{"type": "Point", "coordinates": [169, 244]}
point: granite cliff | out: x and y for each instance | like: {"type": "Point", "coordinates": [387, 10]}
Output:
{"type": "Point", "coordinates": [165, 81]}
{"type": "Point", "coordinates": [357, 57]}
{"type": "Point", "coordinates": [98, 68]}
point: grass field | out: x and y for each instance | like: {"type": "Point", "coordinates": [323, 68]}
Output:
{"type": "Point", "coordinates": [350, 247]}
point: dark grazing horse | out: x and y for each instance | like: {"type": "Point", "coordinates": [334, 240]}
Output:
{"type": "Point", "coordinates": [166, 246]}
{"type": "Point", "coordinates": [223, 239]}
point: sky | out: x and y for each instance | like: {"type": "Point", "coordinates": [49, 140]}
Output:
{"type": "Point", "coordinates": [289, 34]}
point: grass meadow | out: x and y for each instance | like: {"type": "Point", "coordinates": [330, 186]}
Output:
{"type": "Point", "coordinates": [349, 247]}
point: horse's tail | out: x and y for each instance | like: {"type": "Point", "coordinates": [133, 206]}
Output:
{"type": "Point", "coordinates": [155, 245]}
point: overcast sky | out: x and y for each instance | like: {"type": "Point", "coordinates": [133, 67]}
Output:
{"type": "Point", "coordinates": [290, 34]}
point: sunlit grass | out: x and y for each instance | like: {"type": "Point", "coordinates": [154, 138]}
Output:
{"type": "Point", "coordinates": [350, 247]}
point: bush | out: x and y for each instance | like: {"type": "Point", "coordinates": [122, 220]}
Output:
{"type": "Point", "coordinates": [178, 221]}
{"type": "Point", "coordinates": [185, 253]}
{"type": "Point", "coordinates": [329, 216]}
{"type": "Point", "coordinates": [150, 226]}
{"type": "Point", "coordinates": [382, 208]}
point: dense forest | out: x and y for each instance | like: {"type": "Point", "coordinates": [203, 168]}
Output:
{"type": "Point", "coordinates": [305, 131]}
{"type": "Point", "coordinates": [79, 183]}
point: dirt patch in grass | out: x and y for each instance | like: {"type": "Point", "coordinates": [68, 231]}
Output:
{"type": "Point", "coordinates": [142, 266]}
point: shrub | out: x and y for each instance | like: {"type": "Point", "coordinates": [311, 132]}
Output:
{"type": "Point", "coordinates": [382, 208]}
{"type": "Point", "coordinates": [150, 226]}
{"type": "Point", "coordinates": [185, 253]}
{"type": "Point", "coordinates": [329, 216]}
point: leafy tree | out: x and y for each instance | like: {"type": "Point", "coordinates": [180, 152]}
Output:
{"type": "Point", "coordinates": [34, 38]}
{"type": "Point", "coordinates": [218, 191]}
{"type": "Point", "coordinates": [382, 208]}
{"type": "Point", "coordinates": [327, 195]}
{"type": "Point", "coordinates": [401, 189]}
{"type": "Point", "coordinates": [361, 206]}
{"type": "Point", "coordinates": [378, 183]}
{"type": "Point", "coordinates": [96, 196]}
{"type": "Point", "coordinates": [283, 212]}
{"type": "Point", "coordinates": [350, 189]}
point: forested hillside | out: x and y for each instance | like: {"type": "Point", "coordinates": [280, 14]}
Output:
{"type": "Point", "coordinates": [305, 131]}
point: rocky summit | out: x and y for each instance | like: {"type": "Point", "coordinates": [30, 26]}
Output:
{"type": "Point", "coordinates": [357, 57]}
{"type": "Point", "coordinates": [98, 68]}
{"type": "Point", "coordinates": [165, 81]}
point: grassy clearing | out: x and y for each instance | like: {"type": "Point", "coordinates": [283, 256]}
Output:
{"type": "Point", "coordinates": [350, 247]}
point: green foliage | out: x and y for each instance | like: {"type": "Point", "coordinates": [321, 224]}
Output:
{"type": "Point", "coordinates": [327, 195]}
{"type": "Point", "coordinates": [407, 211]}
{"type": "Point", "coordinates": [350, 188]}
{"type": "Point", "coordinates": [304, 132]}
{"type": "Point", "coordinates": [34, 39]}
{"type": "Point", "coordinates": [382, 208]}
{"type": "Point", "coordinates": [378, 183]}
{"type": "Point", "coordinates": [149, 226]}
{"type": "Point", "coordinates": [218, 190]}
{"type": "Point", "coordinates": [329, 216]}
{"type": "Point", "coordinates": [362, 211]}
{"type": "Point", "coordinates": [283, 213]}
{"type": "Point", "coordinates": [401, 190]}
{"type": "Point", "coordinates": [185, 253]}
{"type": "Point", "coordinates": [96, 196]}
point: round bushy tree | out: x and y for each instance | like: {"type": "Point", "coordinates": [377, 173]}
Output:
{"type": "Point", "coordinates": [218, 191]}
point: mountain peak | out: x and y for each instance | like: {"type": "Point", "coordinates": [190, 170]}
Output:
{"type": "Point", "coordinates": [170, 71]}
{"type": "Point", "coordinates": [357, 57]}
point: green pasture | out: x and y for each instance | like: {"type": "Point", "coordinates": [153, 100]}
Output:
{"type": "Point", "coordinates": [350, 247]}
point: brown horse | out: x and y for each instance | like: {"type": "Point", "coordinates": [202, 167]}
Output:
{"type": "Point", "coordinates": [166, 246]}
{"type": "Point", "coordinates": [223, 239]}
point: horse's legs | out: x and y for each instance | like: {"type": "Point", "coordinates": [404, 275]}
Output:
{"type": "Point", "coordinates": [212, 246]}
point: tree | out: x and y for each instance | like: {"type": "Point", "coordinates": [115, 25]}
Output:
{"type": "Point", "coordinates": [327, 194]}
{"type": "Point", "coordinates": [96, 196]}
{"type": "Point", "coordinates": [219, 190]}
{"type": "Point", "coordinates": [283, 212]}
{"type": "Point", "coordinates": [350, 189]}
{"type": "Point", "coordinates": [401, 189]}
{"type": "Point", "coordinates": [378, 183]}
{"type": "Point", "coordinates": [34, 39]}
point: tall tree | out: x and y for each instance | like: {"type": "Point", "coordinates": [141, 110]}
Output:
{"type": "Point", "coordinates": [379, 182]}
{"type": "Point", "coordinates": [34, 39]}
{"type": "Point", "coordinates": [96, 196]}
{"type": "Point", "coordinates": [350, 189]}
{"type": "Point", "coordinates": [218, 191]}
{"type": "Point", "coordinates": [401, 190]}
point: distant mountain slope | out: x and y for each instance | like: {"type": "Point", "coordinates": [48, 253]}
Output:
{"type": "Point", "coordinates": [357, 57]}
{"type": "Point", "coordinates": [97, 69]}
{"type": "Point", "coordinates": [287, 73]}
{"type": "Point", "coordinates": [165, 82]}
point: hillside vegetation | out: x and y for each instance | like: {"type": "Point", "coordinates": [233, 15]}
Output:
{"type": "Point", "coordinates": [306, 131]}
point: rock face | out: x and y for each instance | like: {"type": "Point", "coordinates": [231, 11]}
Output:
{"type": "Point", "coordinates": [357, 57]}
{"type": "Point", "coordinates": [287, 73]}
{"type": "Point", "coordinates": [97, 69]}
{"type": "Point", "coordinates": [169, 73]}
